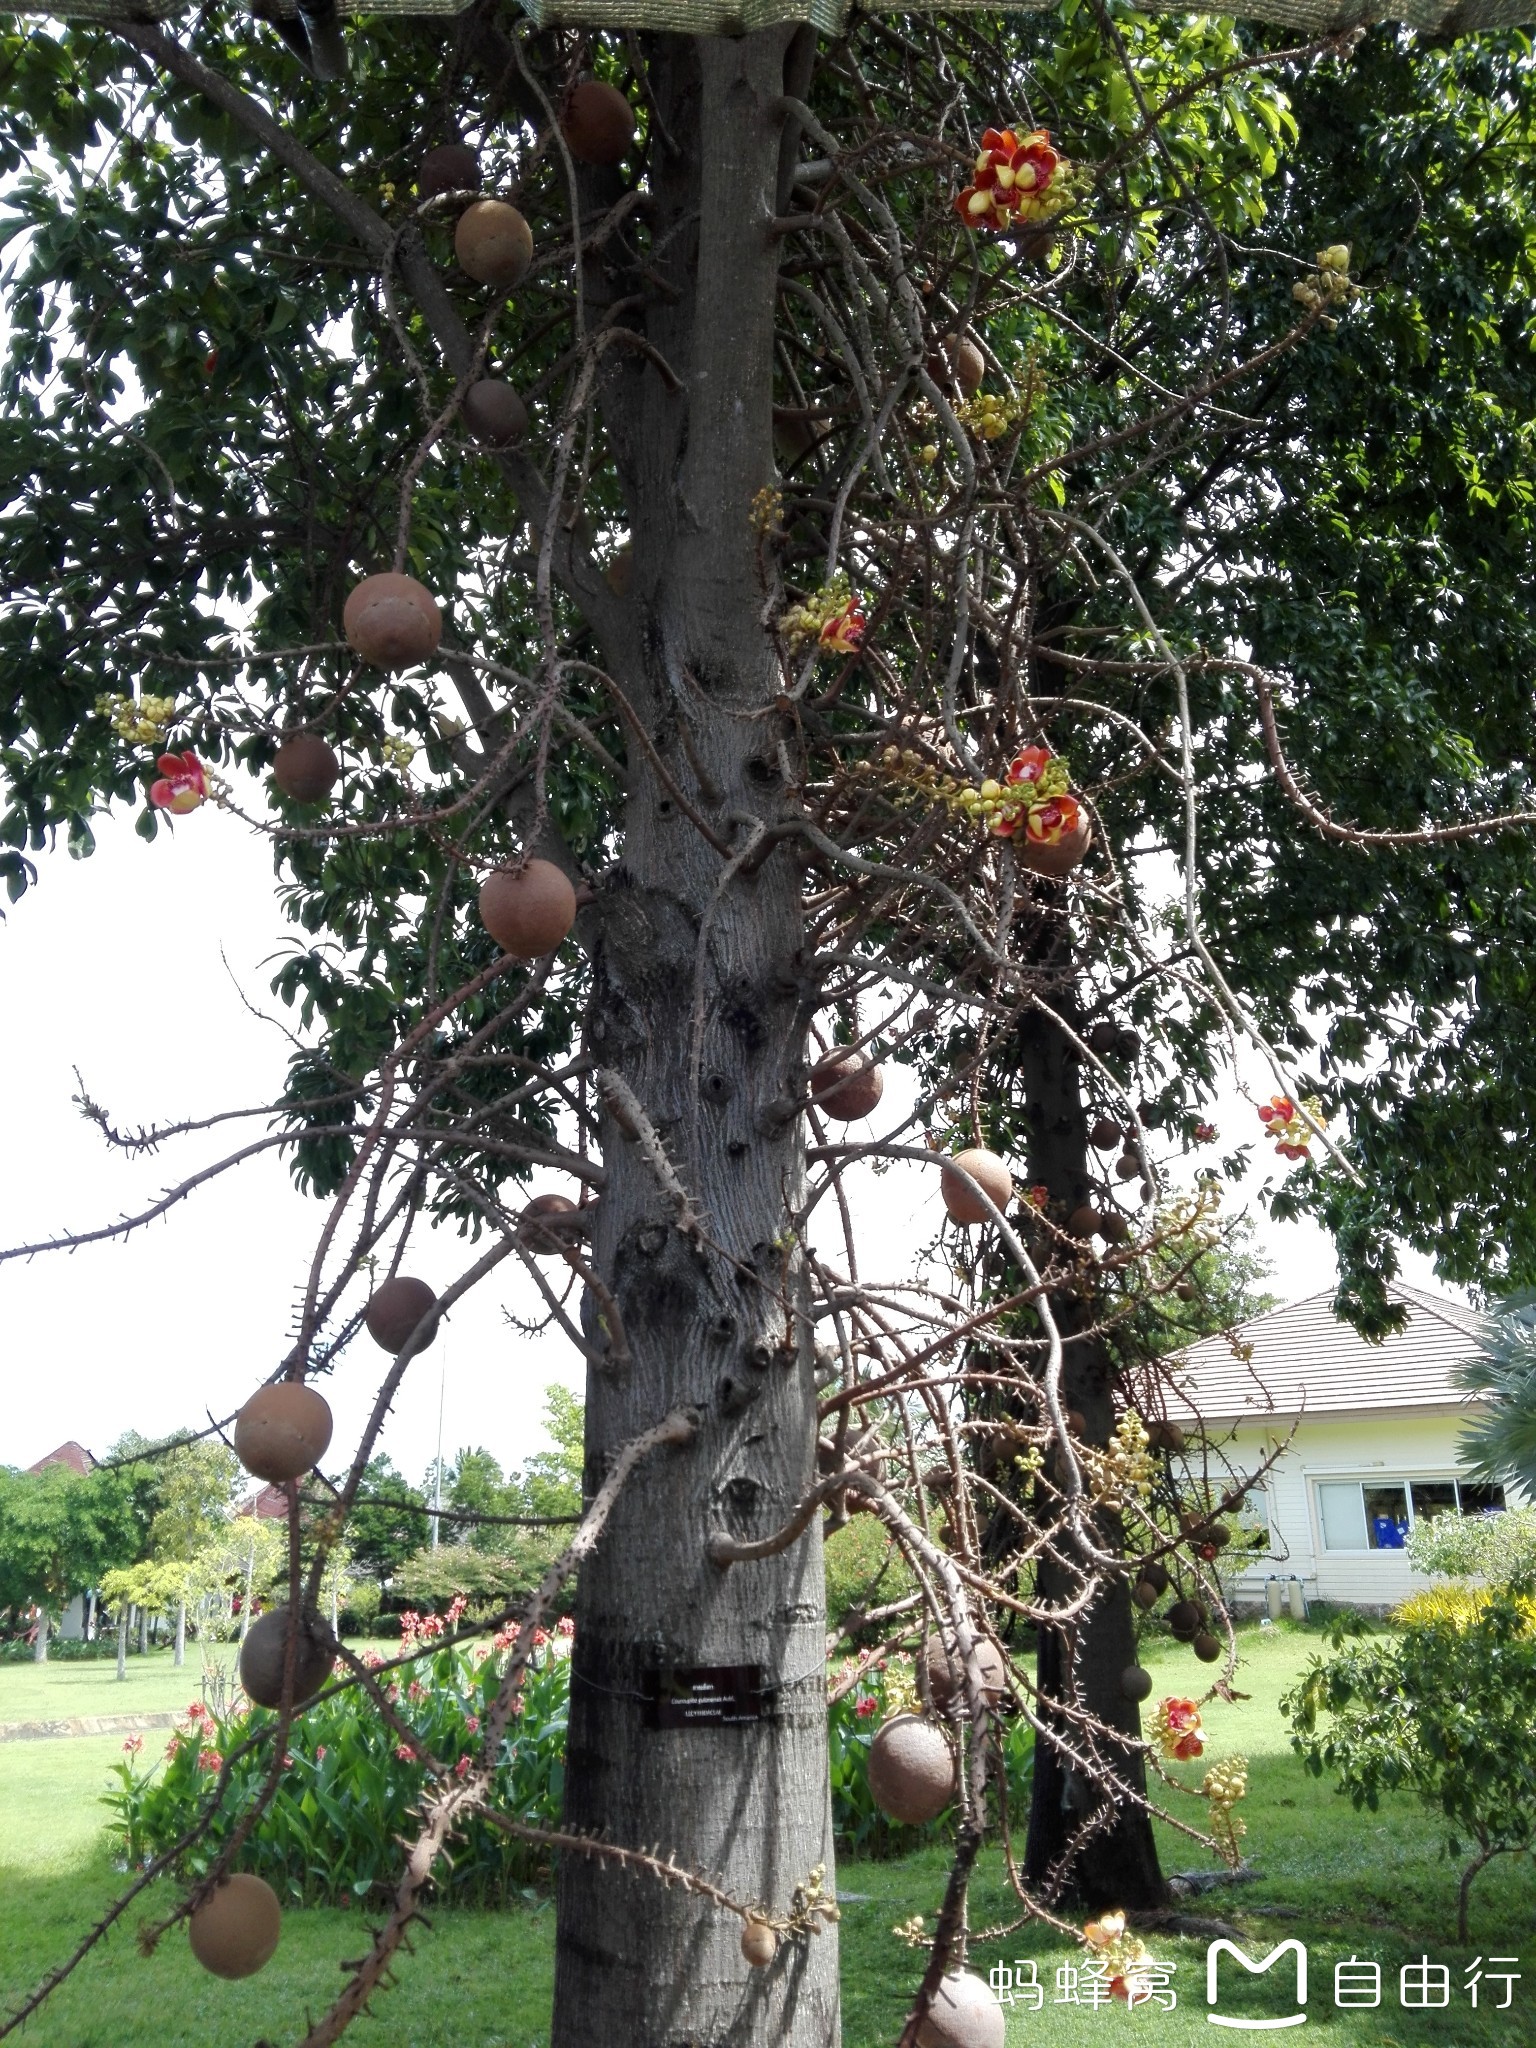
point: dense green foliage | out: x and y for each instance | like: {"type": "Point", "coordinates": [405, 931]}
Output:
{"type": "Point", "coordinates": [1447, 1710]}
{"type": "Point", "coordinates": [202, 404]}
{"type": "Point", "coordinates": [59, 1532]}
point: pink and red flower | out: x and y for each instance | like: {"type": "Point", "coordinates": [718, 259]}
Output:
{"type": "Point", "coordinates": [1011, 179]}
{"type": "Point", "coordinates": [182, 786]}
{"type": "Point", "coordinates": [844, 631]}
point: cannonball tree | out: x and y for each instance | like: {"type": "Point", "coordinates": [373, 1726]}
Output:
{"type": "Point", "coordinates": [999, 565]}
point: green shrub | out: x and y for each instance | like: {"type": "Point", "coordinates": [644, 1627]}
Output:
{"type": "Point", "coordinates": [1447, 1711]}
{"type": "Point", "coordinates": [331, 1834]}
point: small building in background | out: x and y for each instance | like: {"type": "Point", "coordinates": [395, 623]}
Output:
{"type": "Point", "coordinates": [77, 1622]}
{"type": "Point", "coordinates": [1367, 1436]}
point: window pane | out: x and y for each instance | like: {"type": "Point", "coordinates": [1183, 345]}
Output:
{"type": "Point", "coordinates": [1433, 1497]}
{"type": "Point", "coordinates": [1477, 1499]}
{"type": "Point", "coordinates": [1342, 1514]}
{"type": "Point", "coordinates": [1386, 1516]}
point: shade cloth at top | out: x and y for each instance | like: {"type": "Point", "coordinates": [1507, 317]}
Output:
{"type": "Point", "coordinates": [736, 17]}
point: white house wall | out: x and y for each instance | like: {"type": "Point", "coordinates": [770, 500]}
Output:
{"type": "Point", "coordinates": [1378, 1448]}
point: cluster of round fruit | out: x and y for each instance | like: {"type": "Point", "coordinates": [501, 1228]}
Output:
{"type": "Point", "coordinates": [1189, 1621]}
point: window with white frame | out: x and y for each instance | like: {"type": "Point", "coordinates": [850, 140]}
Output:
{"type": "Point", "coordinates": [1378, 1514]}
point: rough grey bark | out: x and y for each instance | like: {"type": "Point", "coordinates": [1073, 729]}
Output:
{"type": "Point", "coordinates": [40, 1640]}
{"type": "Point", "coordinates": [1117, 1865]}
{"type": "Point", "coordinates": [697, 1005]}
{"type": "Point", "coordinates": [122, 1640]}
{"type": "Point", "coordinates": [179, 1656]}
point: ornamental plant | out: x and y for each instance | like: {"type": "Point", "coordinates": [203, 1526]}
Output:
{"type": "Point", "coordinates": [1446, 1711]}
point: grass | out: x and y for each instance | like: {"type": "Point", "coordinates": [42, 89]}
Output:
{"type": "Point", "coordinates": [1344, 1883]}
{"type": "Point", "coordinates": [66, 1687]}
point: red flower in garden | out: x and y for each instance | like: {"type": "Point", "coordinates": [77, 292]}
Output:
{"type": "Point", "coordinates": [1039, 1197]}
{"type": "Point", "coordinates": [565, 1626]}
{"type": "Point", "coordinates": [183, 784]}
{"type": "Point", "coordinates": [1012, 176]}
{"type": "Point", "coordinates": [866, 1706]}
{"type": "Point", "coordinates": [472, 1723]}
{"type": "Point", "coordinates": [462, 1768]}
{"type": "Point", "coordinates": [319, 1752]}
{"type": "Point", "coordinates": [404, 1754]}
{"type": "Point", "coordinates": [1286, 1126]}
{"type": "Point", "coordinates": [134, 1744]}
{"type": "Point", "coordinates": [844, 631]}
{"type": "Point", "coordinates": [1179, 1729]}
{"type": "Point", "coordinates": [210, 1760]}
{"type": "Point", "coordinates": [1205, 1134]}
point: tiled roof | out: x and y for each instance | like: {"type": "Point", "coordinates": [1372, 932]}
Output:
{"type": "Point", "coordinates": [269, 1504]}
{"type": "Point", "coordinates": [1305, 1360]}
{"type": "Point", "coordinates": [74, 1455]}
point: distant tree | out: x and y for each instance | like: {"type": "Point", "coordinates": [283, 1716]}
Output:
{"type": "Point", "coordinates": [194, 1496]}
{"type": "Point", "coordinates": [388, 1524]}
{"type": "Point", "coordinates": [1199, 1285]}
{"type": "Point", "coordinates": [477, 1485]}
{"type": "Point", "coordinates": [59, 1533]}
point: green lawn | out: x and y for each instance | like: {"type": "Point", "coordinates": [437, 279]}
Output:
{"type": "Point", "coordinates": [1372, 1885]}
{"type": "Point", "coordinates": [64, 1687]}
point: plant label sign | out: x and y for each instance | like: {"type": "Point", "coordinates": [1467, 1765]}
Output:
{"type": "Point", "coordinates": [704, 1695]}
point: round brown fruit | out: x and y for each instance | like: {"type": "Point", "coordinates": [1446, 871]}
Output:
{"type": "Point", "coordinates": [494, 413]}
{"type": "Point", "coordinates": [989, 1172]}
{"type": "Point", "coordinates": [1057, 856]}
{"type": "Point", "coordinates": [1184, 1618]}
{"type": "Point", "coordinates": [1207, 1647]}
{"type": "Point", "coordinates": [911, 1769]}
{"type": "Point", "coordinates": [1164, 1436]}
{"type": "Point", "coordinates": [392, 621]}
{"type": "Point", "coordinates": [305, 769]}
{"type": "Point", "coordinates": [846, 1085]}
{"type": "Point", "coordinates": [451, 167]}
{"type": "Point", "coordinates": [262, 1654]}
{"type": "Point", "coordinates": [1155, 1574]}
{"type": "Point", "coordinates": [282, 1431]}
{"type": "Point", "coordinates": [1127, 1166]}
{"type": "Point", "coordinates": [598, 123]}
{"type": "Point", "coordinates": [1085, 1222]}
{"type": "Point", "coordinates": [1104, 1036]}
{"type": "Point", "coordinates": [493, 243]}
{"type": "Point", "coordinates": [1186, 1290]}
{"type": "Point", "coordinates": [759, 1943]}
{"type": "Point", "coordinates": [396, 1308]}
{"type": "Point", "coordinates": [1113, 1228]}
{"type": "Point", "coordinates": [794, 436]}
{"type": "Point", "coordinates": [1145, 1595]}
{"type": "Point", "coordinates": [943, 1676]}
{"type": "Point", "coordinates": [528, 909]}
{"type": "Point", "coordinates": [965, 363]}
{"type": "Point", "coordinates": [542, 1232]}
{"type": "Point", "coordinates": [1135, 1682]}
{"type": "Point", "coordinates": [235, 1931]}
{"type": "Point", "coordinates": [1105, 1134]}
{"type": "Point", "coordinates": [964, 2014]}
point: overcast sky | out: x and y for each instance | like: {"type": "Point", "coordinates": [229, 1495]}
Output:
{"type": "Point", "coordinates": [113, 965]}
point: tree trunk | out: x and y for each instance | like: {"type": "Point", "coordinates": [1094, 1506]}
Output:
{"type": "Point", "coordinates": [697, 994]}
{"type": "Point", "coordinates": [1117, 1865]}
{"type": "Point", "coordinates": [40, 1640]}
{"type": "Point", "coordinates": [250, 1582]}
{"type": "Point", "coordinates": [122, 1639]}
{"type": "Point", "coordinates": [143, 1631]}
{"type": "Point", "coordinates": [89, 1630]}
{"type": "Point", "coordinates": [179, 1657]}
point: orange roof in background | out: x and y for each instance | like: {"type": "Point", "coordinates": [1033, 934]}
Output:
{"type": "Point", "coordinates": [1306, 1361]}
{"type": "Point", "coordinates": [270, 1504]}
{"type": "Point", "coordinates": [74, 1455]}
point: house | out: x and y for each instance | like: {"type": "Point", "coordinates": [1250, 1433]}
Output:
{"type": "Point", "coordinates": [75, 1456]}
{"type": "Point", "coordinates": [1366, 1435]}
